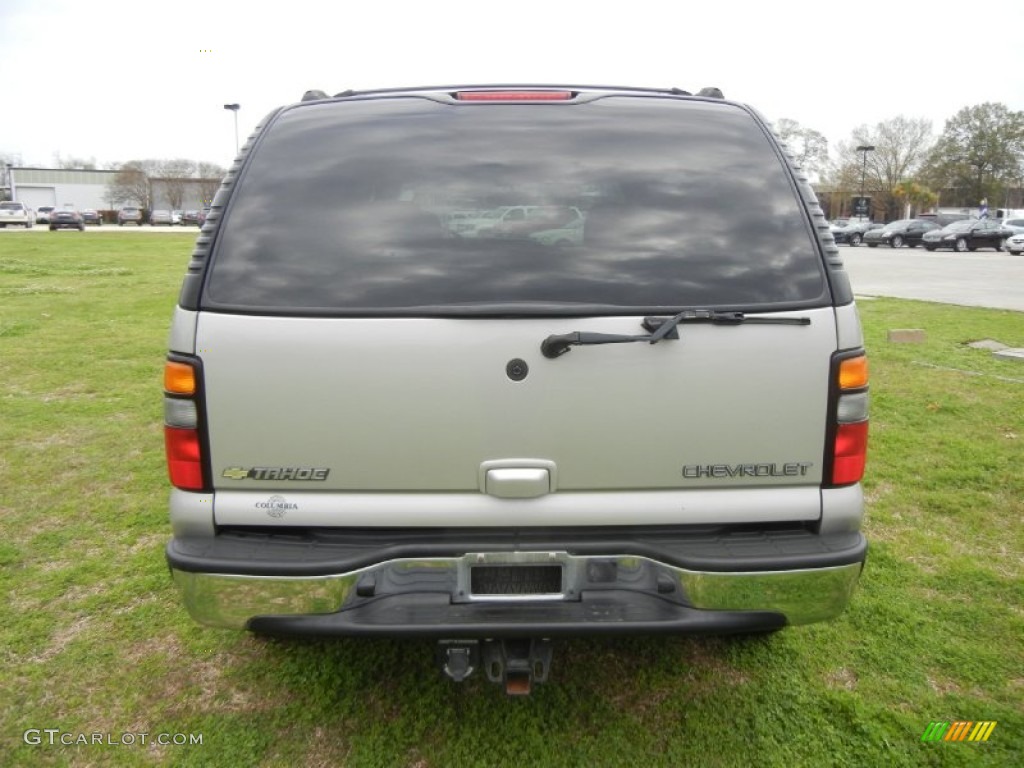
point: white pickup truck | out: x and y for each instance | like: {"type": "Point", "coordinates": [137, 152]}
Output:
{"type": "Point", "coordinates": [17, 213]}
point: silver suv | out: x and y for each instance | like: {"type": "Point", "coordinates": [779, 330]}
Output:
{"type": "Point", "coordinates": [129, 215]}
{"type": "Point", "coordinates": [377, 427]}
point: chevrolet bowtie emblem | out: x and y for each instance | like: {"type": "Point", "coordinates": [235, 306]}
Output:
{"type": "Point", "coordinates": [235, 473]}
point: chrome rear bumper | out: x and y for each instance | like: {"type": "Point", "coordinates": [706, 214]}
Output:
{"type": "Point", "coordinates": [575, 594]}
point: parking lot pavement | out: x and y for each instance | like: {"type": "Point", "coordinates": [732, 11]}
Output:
{"type": "Point", "coordinates": [980, 279]}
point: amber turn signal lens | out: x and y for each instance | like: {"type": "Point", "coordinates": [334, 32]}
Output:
{"type": "Point", "coordinates": [179, 378]}
{"type": "Point", "coordinates": [853, 373]}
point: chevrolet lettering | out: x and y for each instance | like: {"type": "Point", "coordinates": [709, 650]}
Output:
{"type": "Point", "coordinates": [584, 361]}
{"type": "Point", "coordinates": [791, 469]}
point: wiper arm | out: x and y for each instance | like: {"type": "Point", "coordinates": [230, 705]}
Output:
{"type": "Point", "coordinates": [659, 328]}
{"type": "Point", "coordinates": [558, 344]}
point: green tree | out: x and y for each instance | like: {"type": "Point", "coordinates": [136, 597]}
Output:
{"type": "Point", "coordinates": [918, 196]}
{"type": "Point", "coordinates": [979, 154]}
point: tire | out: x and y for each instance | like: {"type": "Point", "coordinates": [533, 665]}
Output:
{"type": "Point", "coordinates": [855, 239]}
{"type": "Point", "coordinates": [960, 246]}
{"type": "Point", "coordinates": [896, 242]}
{"type": "Point", "coordinates": [872, 245]}
{"type": "Point", "coordinates": [929, 247]}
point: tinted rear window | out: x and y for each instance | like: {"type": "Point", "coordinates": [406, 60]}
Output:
{"type": "Point", "coordinates": [411, 205]}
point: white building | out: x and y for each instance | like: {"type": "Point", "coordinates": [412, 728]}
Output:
{"type": "Point", "coordinates": [76, 188]}
{"type": "Point", "coordinates": [59, 187]}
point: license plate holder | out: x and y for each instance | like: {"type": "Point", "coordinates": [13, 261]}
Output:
{"type": "Point", "coordinates": [527, 580]}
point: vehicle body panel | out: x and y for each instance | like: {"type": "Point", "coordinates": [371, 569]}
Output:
{"type": "Point", "coordinates": [409, 382]}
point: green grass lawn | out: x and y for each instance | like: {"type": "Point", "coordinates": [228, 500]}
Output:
{"type": "Point", "coordinates": [94, 640]}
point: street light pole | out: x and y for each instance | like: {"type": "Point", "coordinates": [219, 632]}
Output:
{"type": "Point", "coordinates": [865, 148]}
{"type": "Point", "coordinates": [234, 108]}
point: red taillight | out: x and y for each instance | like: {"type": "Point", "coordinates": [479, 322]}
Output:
{"type": "Point", "coordinates": [182, 428]}
{"type": "Point", "coordinates": [184, 458]}
{"type": "Point", "coordinates": [850, 421]}
{"type": "Point", "coordinates": [513, 95]}
{"type": "Point", "coordinates": [851, 450]}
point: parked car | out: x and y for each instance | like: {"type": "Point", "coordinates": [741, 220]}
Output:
{"type": "Point", "coordinates": [508, 221]}
{"type": "Point", "coordinates": [43, 214]}
{"type": "Point", "coordinates": [176, 217]}
{"type": "Point", "coordinates": [1014, 225]}
{"type": "Point", "coordinates": [190, 218]}
{"type": "Point", "coordinates": [17, 215]}
{"type": "Point", "coordinates": [161, 216]}
{"type": "Point", "coordinates": [943, 219]}
{"type": "Point", "coordinates": [852, 232]}
{"type": "Point", "coordinates": [542, 218]}
{"type": "Point", "coordinates": [92, 216]}
{"type": "Point", "coordinates": [969, 235]}
{"type": "Point", "coordinates": [66, 218]}
{"type": "Point", "coordinates": [569, 233]}
{"type": "Point", "coordinates": [492, 443]}
{"type": "Point", "coordinates": [1015, 244]}
{"type": "Point", "coordinates": [129, 215]}
{"type": "Point", "coordinates": [896, 234]}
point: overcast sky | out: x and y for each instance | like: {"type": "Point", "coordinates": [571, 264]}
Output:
{"type": "Point", "coordinates": [116, 81]}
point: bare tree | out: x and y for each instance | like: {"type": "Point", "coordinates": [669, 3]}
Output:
{"type": "Point", "coordinates": [210, 176]}
{"type": "Point", "coordinates": [900, 147]}
{"type": "Point", "coordinates": [76, 163]}
{"type": "Point", "coordinates": [177, 176]}
{"type": "Point", "coordinates": [131, 185]}
{"type": "Point", "coordinates": [7, 159]}
{"type": "Point", "coordinates": [808, 147]}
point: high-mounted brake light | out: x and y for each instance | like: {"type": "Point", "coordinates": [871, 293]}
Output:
{"type": "Point", "coordinates": [850, 420]}
{"type": "Point", "coordinates": [513, 95]}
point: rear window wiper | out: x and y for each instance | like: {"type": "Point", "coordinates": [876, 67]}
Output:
{"type": "Point", "coordinates": [658, 328]}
